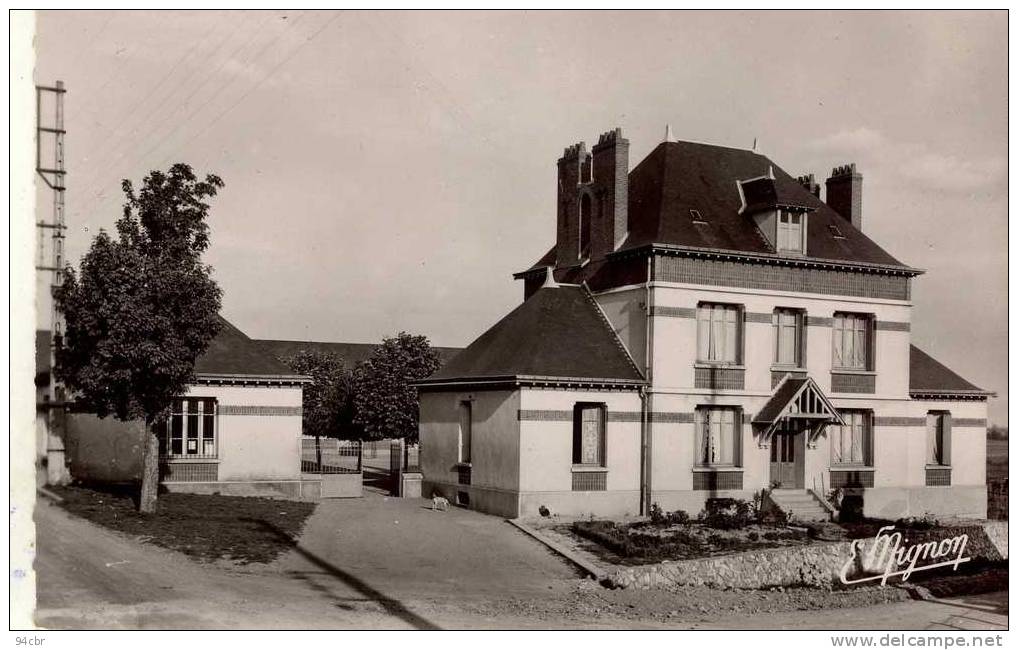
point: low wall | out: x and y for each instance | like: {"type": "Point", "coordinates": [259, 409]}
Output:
{"type": "Point", "coordinates": [501, 503]}
{"type": "Point", "coordinates": [338, 486]}
{"type": "Point", "coordinates": [303, 490]}
{"type": "Point", "coordinates": [103, 449]}
{"type": "Point", "coordinates": [815, 565]}
{"type": "Point", "coordinates": [965, 501]}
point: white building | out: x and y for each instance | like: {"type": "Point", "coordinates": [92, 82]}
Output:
{"type": "Point", "coordinates": [704, 326]}
{"type": "Point", "coordinates": [237, 430]}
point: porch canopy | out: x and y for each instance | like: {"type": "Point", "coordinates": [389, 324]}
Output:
{"type": "Point", "coordinates": [797, 405]}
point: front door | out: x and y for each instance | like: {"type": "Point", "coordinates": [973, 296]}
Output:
{"type": "Point", "coordinates": [787, 466]}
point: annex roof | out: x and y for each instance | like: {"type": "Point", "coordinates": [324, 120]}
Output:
{"type": "Point", "coordinates": [557, 333]}
{"type": "Point", "coordinates": [927, 376]}
{"type": "Point", "coordinates": [351, 353]}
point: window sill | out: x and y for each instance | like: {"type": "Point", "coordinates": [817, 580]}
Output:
{"type": "Point", "coordinates": [777, 368]}
{"type": "Point", "coordinates": [852, 371]}
{"type": "Point", "coordinates": [851, 468]}
{"type": "Point", "coordinates": [934, 466]}
{"type": "Point", "coordinates": [188, 459]}
{"type": "Point", "coordinates": [463, 465]}
{"type": "Point", "coordinates": [588, 468]}
{"type": "Point", "coordinates": [727, 366]}
{"type": "Point", "coordinates": [726, 468]}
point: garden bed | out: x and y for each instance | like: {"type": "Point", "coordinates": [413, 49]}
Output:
{"type": "Point", "coordinates": [206, 527]}
{"type": "Point", "coordinates": [631, 544]}
{"type": "Point", "coordinates": [726, 526]}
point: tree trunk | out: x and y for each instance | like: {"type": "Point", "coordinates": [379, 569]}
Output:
{"type": "Point", "coordinates": [149, 474]}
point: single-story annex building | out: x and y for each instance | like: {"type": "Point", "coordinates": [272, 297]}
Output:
{"type": "Point", "coordinates": [705, 325]}
{"type": "Point", "coordinates": [237, 429]}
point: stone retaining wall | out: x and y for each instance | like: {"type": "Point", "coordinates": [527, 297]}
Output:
{"type": "Point", "coordinates": [816, 565]}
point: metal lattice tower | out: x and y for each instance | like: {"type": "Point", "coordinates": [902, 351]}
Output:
{"type": "Point", "coordinates": [54, 176]}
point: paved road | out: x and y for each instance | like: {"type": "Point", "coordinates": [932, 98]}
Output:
{"type": "Point", "coordinates": [369, 564]}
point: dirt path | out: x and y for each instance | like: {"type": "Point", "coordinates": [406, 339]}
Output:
{"type": "Point", "coordinates": [461, 572]}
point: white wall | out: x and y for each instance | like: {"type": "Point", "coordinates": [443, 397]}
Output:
{"type": "Point", "coordinates": [494, 449]}
{"type": "Point", "coordinates": [626, 311]}
{"type": "Point", "coordinates": [674, 345]}
{"type": "Point", "coordinates": [258, 446]}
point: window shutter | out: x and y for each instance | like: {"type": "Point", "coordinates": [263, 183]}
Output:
{"type": "Point", "coordinates": [946, 453]}
{"type": "Point", "coordinates": [577, 431]}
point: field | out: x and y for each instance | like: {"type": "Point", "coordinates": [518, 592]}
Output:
{"type": "Point", "coordinates": [996, 460]}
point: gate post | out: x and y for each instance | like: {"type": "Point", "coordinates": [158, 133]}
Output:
{"type": "Point", "coordinates": [396, 465]}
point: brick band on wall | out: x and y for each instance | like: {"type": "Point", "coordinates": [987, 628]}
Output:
{"type": "Point", "coordinates": [240, 409]}
{"type": "Point", "coordinates": [538, 415]}
{"type": "Point", "coordinates": [759, 317]}
{"type": "Point", "coordinates": [727, 273]}
{"type": "Point", "coordinates": [968, 422]}
{"type": "Point", "coordinates": [673, 312]}
{"type": "Point", "coordinates": [891, 421]}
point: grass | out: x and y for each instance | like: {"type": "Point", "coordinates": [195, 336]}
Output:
{"type": "Point", "coordinates": [206, 527]}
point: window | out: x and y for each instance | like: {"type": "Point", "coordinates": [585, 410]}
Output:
{"type": "Point", "coordinates": [719, 333]}
{"type": "Point", "coordinates": [938, 437]}
{"type": "Point", "coordinates": [465, 431]}
{"type": "Point", "coordinates": [190, 431]}
{"type": "Point", "coordinates": [696, 216]}
{"type": "Point", "coordinates": [585, 225]}
{"type": "Point", "coordinates": [790, 231]}
{"type": "Point", "coordinates": [852, 444]}
{"type": "Point", "coordinates": [588, 434]}
{"type": "Point", "coordinates": [717, 436]}
{"type": "Point", "coordinates": [788, 339]}
{"type": "Point", "coordinates": [852, 341]}
{"type": "Point", "coordinates": [835, 231]}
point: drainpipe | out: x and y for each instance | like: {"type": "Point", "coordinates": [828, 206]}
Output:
{"type": "Point", "coordinates": [646, 403]}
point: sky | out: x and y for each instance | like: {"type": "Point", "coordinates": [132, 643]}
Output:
{"type": "Point", "coordinates": [389, 171]}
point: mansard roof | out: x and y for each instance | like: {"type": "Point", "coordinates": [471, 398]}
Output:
{"type": "Point", "coordinates": [677, 177]}
{"type": "Point", "coordinates": [559, 333]}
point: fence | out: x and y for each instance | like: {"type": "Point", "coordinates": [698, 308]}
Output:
{"type": "Point", "coordinates": [330, 456]}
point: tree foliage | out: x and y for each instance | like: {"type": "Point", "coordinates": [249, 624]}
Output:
{"type": "Point", "coordinates": [328, 399]}
{"type": "Point", "coordinates": [144, 306]}
{"type": "Point", "coordinates": [385, 402]}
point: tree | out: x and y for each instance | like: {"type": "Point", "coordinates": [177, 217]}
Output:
{"type": "Point", "coordinates": [384, 401]}
{"type": "Point", "coordinates": [143, 309]}
{"type": "Point", "coordinates": [328, 400]}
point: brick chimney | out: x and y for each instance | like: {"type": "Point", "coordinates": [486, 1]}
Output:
{"type": "Point", "coordinates": [810, 183]}
{"type": "Point", "coordinates": [570, 165]}
{"type": "Point", "coordinates": [844, 193]}
{"type": "Point", "coordinates": [593, 199]}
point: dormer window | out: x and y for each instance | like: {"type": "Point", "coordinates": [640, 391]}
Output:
{"type": "Point", "coordinates": [696, 217]}
{"type": "Point", "coordinates": [791, 231]}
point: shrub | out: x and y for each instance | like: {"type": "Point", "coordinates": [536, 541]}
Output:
{"type": "Point", "coordinates": [851, 508]}
{"type": "Point", "coordinates": [657, 515]}
{"type": "Point", "coordinates": [678, 517]}
{"type": "Point", "coordinates": [926, 522]}
{"type": "Point", "coordinates": [726, 513]}
{"type": "Point", "coordinates": [753, 536]}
